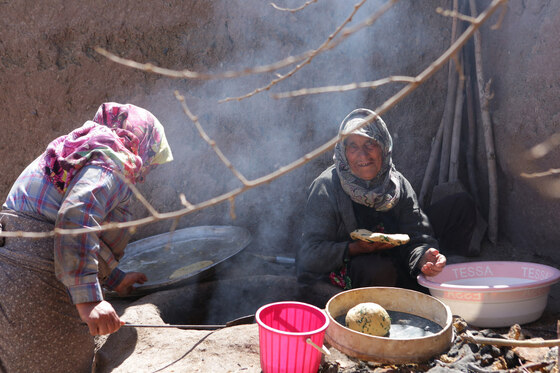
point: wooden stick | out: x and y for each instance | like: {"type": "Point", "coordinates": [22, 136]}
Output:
{"type": "Point", "coordinates": [511, 342]}
{"type": "Point", "coordinates": [430, 168]}
{"type": "Point", "coordinates": [448, 110]}
{"type": "Point", "coordinates": [488, 137]}
{"type": "Point", "coordinates": [471, 145]}
{"type": "Point", "coordinates": [437, 142]}
{"type": "Point", "coordinates": [456, 133]}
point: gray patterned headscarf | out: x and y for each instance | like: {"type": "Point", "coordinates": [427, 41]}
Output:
{"type": "Point", "coordinates": [382, 192]}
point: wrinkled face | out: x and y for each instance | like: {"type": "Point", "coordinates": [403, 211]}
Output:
{"type": "Point", "coordinates": [364, 156]}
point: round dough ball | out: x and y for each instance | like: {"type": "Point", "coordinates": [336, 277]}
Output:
{"type": "Point", "coordinates": [369, 318]}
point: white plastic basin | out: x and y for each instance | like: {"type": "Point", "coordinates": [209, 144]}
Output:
{"type": "Point", "coordinates": [494, 293]}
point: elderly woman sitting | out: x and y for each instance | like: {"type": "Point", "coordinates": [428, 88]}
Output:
{"type": "Point", "coordinates": [363, 190]}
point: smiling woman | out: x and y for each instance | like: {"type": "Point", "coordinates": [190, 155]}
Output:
{"type": "Point", "coordinates": [364, 156]}
{"type": "Point", "coordinates": [363, 190]}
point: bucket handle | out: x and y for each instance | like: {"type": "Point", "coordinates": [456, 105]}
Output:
{"type": "Point", "coordinates": [322, 350]}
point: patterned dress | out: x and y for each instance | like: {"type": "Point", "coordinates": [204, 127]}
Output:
{"type": "Point", "coordinates": [80, 181]}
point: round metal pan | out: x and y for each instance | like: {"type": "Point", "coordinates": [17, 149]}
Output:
{"type": "Point", "coordinates": [395, 349]}
{"type": "Point", "coordinates": [201, 248]}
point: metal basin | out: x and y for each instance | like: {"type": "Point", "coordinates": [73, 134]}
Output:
{"type": "Point", "coordinates": [160, 256]}
{"type": "Point", "coordinates": [390, 350]}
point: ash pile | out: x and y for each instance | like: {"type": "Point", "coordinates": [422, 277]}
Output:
{"type": "Point", "coordinates": [471, 351]}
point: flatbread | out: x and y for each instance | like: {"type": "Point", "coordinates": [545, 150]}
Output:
{"type": "Point", "coordinates": [183, 271]}
{"type": "Point", "coordinates": [368, 236]}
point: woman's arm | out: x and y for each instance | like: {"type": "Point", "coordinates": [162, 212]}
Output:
{"type": "Point", "coordinates": [93, 193]}
{"type": "Point", "coordinates": [415, 223]}
{"type": "Point", "coordinates": [322, 249]}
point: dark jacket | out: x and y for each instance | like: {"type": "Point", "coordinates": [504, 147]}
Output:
{"type": "Point", "coordinates": [329, 219]}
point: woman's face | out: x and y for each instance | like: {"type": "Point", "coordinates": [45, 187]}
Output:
{"type": "Point", "coordinates": [364, 156]}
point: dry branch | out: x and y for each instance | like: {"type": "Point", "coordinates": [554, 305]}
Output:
{"type": "Point", "coordinates": [307, 56]}
{"type": "Point", "coordinates": [483, 97]}
{"type": "Point", "coordinates": [550, 172]}
{"type": "Point", "coordinates": [319, 50]}
{"type": "Point", "coordinates": [448, 110]}
{"type": "Point", "coordinates": [294, 10]}
{"type": "Point", "coordinates": [455, 14]}
{"type": "Point", "coordinates": [431, 166]}
{"type": "Point", "coordinates": [511, 342]}
{"type": "Point", "coordinates": [471, 145]}
{"type": "Point", "coordinates": [329, 145]}
{"type": "Point", "coordinates": [346, 87]}
{"type": "Point", "coordinates": [188, 74]}
{"type": "Point", "coordinates": [456, 131]}
{"type": "Point", "coordinates": [445, 119]}
{"type": "Point", "coordinates": [206, 138]}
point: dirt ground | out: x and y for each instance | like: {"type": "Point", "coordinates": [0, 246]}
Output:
{"type": "Point", "coordinates": [236, 348]}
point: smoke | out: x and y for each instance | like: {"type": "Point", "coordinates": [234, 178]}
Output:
{"type": "Point", "coordinates": [260, 134]}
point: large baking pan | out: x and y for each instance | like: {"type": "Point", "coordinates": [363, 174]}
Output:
{"type": "Point", "coordinates": [163, 255]}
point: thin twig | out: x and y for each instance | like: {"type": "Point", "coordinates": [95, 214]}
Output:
{"type": "Point", "coordinates": [456, 133]}
{"type": "Point", "coordinates": [188, 74]}
{"type": "Point", "coordinates": [455, 14]}
{"type": "Point", "coordinates": [431, 166]}
{"type": "Point", "coordinates": [550, 172]}
{"type": "Point", "coordinates": [207, 138]}
{"type": "Point", "coordinates": [488, 137]}
{"type": "Point", "coordinates": [294, 10]}
{"type": "Point", "coordinates": [307, 56]}
{"type": "Point", "coordinates": [449, 109]}
{"type": "Point", "coordinates": [344, 88]}
{"type": "Point", "coordinates": [327, 45]}
{"type": "Point", "coordinates": [498, 24]}
{"type": "Point", "coordinates": [138, 195]}
{"type": "Point", "coordinates": [437, 143]}
{"type": "Point", "coordinates": [511, 342]}
{"type": "Point", "coordinates": [184, 201]}
{"type": "Point", "coordinates": [471, 146]}
{"type": "Point", "coordinates": [329, 145]}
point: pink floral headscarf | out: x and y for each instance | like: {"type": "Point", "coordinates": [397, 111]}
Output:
{"type": "Point", "coordinates": [123, 138]}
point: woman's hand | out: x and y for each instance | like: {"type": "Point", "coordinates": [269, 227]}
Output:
{"type": "Point", "coordinates": [361, 247]}
{"type": "Point", "coordinates": [432, 262]}
{"type": "Point", "coordinates": [100, 317]}
{"type": "Point", "coordinates": [131, 278]}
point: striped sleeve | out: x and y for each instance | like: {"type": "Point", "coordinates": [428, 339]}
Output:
{"type": "Point", "coordinates": [92, 195]}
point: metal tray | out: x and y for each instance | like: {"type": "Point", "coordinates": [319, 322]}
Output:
{"type": "Point", "coordinates": [161, 255]}
{"type": "Point", "coordinates": [398, 348]}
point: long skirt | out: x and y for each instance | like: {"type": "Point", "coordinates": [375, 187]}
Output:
{"type": "Point", "coordinates": [40, 329]}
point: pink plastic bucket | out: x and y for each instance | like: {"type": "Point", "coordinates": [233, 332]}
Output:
{"type": "Point", "coordinates": [284, 330]}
